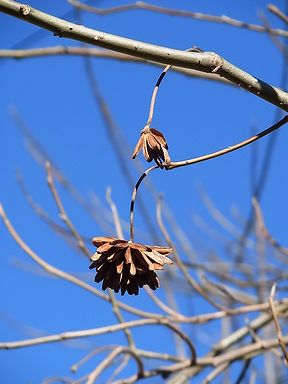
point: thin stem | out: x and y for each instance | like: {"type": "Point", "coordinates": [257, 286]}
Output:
{"type": "Point", "coordinates": [154, 94]}
{"type": "Point", "coordinates": [277, 325]}
{"type": "Point", "coordinates": [229, 149]}
{"type": "Point", "coordinates": [62, 213]}
{"type": "Point", "coordinates": [108, 360]}
{"type": "Point", "coordinates": [134, 193]}
{"type": "Point", "coordinates": [277, 12]}
{"type": "Point", "coordinates": [156, 88]}
{"type": "Point", "coordinates": [223, 19]}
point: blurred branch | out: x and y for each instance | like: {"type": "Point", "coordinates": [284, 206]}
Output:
{"type": "Point", "coordinates": [62, 213]}
{"type": "Point", "coordinates": [277, 325]}
{"type": "Point", "coordinates": [206, 61]}
{"type": "Point", "coordinates": [197, 288]}
{"type": "Point", "coordinates": [108, 360]}
{"type": "Point", "coordinates": [277, 12]}
{"type": "Point", "coordinates": [119, 233]}
{"type": "Point", "coordinates": [176, 12]}
{"type": "Point", "coordinates": [102, 53]}
{"type": "Point", "coordinates": [41, 156]}
{"type": "Point", "coordinates": [264, 230]}
{"type": "Point", "coordinates": [100, 331]}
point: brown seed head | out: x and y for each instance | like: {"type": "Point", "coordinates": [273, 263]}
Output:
{"type": "Point", "coordinates": [154, 147]}
{"type": "Point", "coordinates": [127, 266]}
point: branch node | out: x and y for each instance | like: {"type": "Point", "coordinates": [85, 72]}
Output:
{"type": "Point", "coordinates": [25, 9]}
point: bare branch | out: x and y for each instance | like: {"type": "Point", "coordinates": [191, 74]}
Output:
{"type": "Point", "coordinates": [177, 12]}
{"type": "Point", "coordinates": [108, 360]}
{"type": "Point", "coordinates": [229, 149]}
{"type": "Point", "coordinates": [276, 11]}
{"type": "Point", "coordinates": [277, 325]}
{"type": "Point", "coordinates": [264, 230]}
{"type": "Point", "coordinates": [119, 233]}
{"type": "Point", "coordinates": [206, 61]}
{"type": "Point", "coordinates": [62, 213]}
{"type": "Point", "coordinates": [102, 53]}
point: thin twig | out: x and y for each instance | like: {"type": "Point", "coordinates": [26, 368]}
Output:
{"type": "Point", "coordinates": [100, 331]}
{"type": "Point", "coordinates": [119, 369]}
{"type": "Point", "coordinates": [277, 325]}
{"type": "Point", "coordinates": [179, 262]}
{"type": "Point", "coordinates": [229, 149]}
{"type": "Point", "coordinates": [264, 230]}
{"type": "Point", "coordinates": [108, 360]}
{"type": "Point", "coordinates": [157, 85]}
{"type": "Point", "coordinates": [62, 213]}
{"type": "Point", "coordinates": [216, 372]}
{"type": "Point", "coordinates": [74, 368]}
{"type": "Point", "coordinates": [277, 12]}
{"type": "Point", "coordinates": [115, 214]}
{"type": "Point", "coordinates": [133, 197]}
{"type": "Point", "coordinates": [103, 53]}
{"type": "Point", "coordinates": [176, 12]}
{"type": "Point", "coordinates": [114, 302]}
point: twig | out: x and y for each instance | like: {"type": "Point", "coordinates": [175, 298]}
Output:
{"type": "Point", "coordinates": [74, 368]}
{"type": "Point", "coordinates": [216, 372]}
{"type": "Point", "coordinates": [277, 325]}
{"type": "Point", "coordinates": [277, 12]}
{"type": "Point", "coordinates": [40, 211]}
{"type": "Point", "coordinates": [206, 61]}
{"type": "Point", "coordinates": [119, 369]}
{"type": "Point", "coordinates": [264, 230]}
{"type": "Point", "coordinates": [157, 85]}
{"type": "Point", "coordinates": [62, 213]}
{"type": "Point", "coordinates": [107, 361]}
{"type": "Point", "coordinates": [163, 306]}
{"type": "Point", "coordinates": [102, 53]}
{"type": "Point", "coordinates": [132, 203]}
{"type": "Point", "coordinates": [40, 155]}
{"type": "Point", "coordinates": [179, 262]}
{"type": "Point", "coordinates": [115, 214]}
{"type": "Point", "coordinates": [229, 149]}
{"type": "Point", "coordinates": [176, 12]}
{"type": "Point", "coordinates": [114, 302]}
{"type": "Point", "coordinates": [100, 331]}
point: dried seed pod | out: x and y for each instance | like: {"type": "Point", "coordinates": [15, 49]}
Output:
{"type": "Point", "coordinates": [127, 266]}
{"type": "Point", "coordinates": [154, 147]}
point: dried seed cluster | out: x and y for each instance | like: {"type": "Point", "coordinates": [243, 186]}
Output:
{"type": "Point", "coordinates": [154, 146]}
{"type": "Point", "coordinates": [127, 266]}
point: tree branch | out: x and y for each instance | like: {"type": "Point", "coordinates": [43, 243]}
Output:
{"type": "Point", "coordinates": [229, 149]}
{"type": "Point", "coordinates": [223, 19]}
{"type": "Point", "coordinates": [205, 62]}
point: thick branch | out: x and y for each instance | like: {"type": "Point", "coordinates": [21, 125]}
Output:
{"type": "Point", "coordinates": [205, 62]}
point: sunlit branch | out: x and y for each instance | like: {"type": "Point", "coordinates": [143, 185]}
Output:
{"type": "Point", "coordinates": [177, 12]}
{"type": "Point", "coordinates": [206, 61]}
{"type": "Point", "coordinates": [229, 149]}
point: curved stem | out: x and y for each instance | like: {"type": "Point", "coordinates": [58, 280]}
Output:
{"type": "Point", "coordinates": [156, 88]}
{"type": "Point", "coordinates": [154, 94]}
{"type": "Point", "coordinates": [231, 148]}
{"type": "Point", "coordinates": [134, 193]}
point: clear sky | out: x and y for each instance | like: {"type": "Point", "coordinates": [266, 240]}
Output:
{"type": "Point", "coordinates": [53, 97]}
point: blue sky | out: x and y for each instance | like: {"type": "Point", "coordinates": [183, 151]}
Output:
{"type": "Point", "coordinates": [54, 98]}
